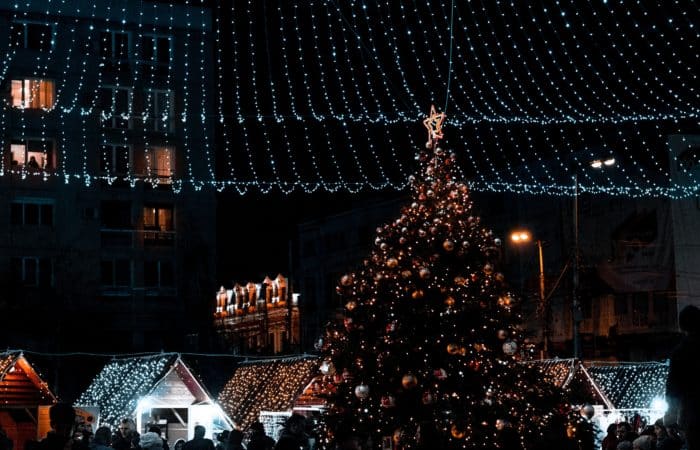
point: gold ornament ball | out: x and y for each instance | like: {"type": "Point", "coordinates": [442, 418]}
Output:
{"type": "Point", "coordinates": [352, 304]}
{"type": "Point", "coordinates": [392, 263]}
{"type": "Point", "coordinates": [452, 349]}
{"type": "Point", "coordinates": [448, 245]}
{"type": "Point", "coordinates": [424, 273]}
{"type": "Point", "coordinates": [450, 301]}
{"type": "Point", "coordinates": [456, 432]}
{"type": "Point", "coordinates": [488, 269]}
{"type": "Point", "coordinates": [417, 294]}
{"type": "Point", "coordinates": [406, 274]}
{"type": "Point", "coordinates": [346, 280]}
{"type": "Point", "coordinates": [409, 381]}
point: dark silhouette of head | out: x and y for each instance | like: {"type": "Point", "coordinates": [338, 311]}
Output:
{"type": "Point", "coordinates": [199, 431]}
{"type": "Point", "coordinates": [257, 427]}
{"type": "Point", "coordinates": [689, 319]}
{"type": "Point", "coordinates": [62, 418]}
{"type": "Point", "coordinates": [154, 429]}
{"type": "Point", "coordinates": [103, 436]}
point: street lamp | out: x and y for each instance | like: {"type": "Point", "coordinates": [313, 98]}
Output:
{"type": "Point", "coordinates": [577, 316]}
{"type": "Point", "coordinates": [520, 237]}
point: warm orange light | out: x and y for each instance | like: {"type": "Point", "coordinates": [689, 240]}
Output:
{"type": "Point", "coordinates": [520, 236]}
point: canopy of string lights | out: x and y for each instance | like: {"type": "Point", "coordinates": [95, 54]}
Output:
{"type": "Point", "coordinates": [328, 95]}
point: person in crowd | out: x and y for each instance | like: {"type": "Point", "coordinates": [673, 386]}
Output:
{"type": "Point", "coordinates": [258, 439]}
{"type": "Point", "coordinates": [5, 442]}
{"type": "Point", "coordinates": [235, 440]}
{"type": "Point", "coordinates": [62, 421]}
{"type": "Point", "coordinates": [663, 440]}
{"type": "Point", "coordinates": [102, 439]}
{"type": "Point", "coordinates": [625, 434]}
{"type": "Point", "coordinates": [644, 442]}
{"type": "Point", "coordinates": [151, 441]}
{"type": "Point", "coordinates": [32, 163]}
{"type": "Point", "coordinates": [199, 442]}
{"type": "Point", "coordinates": [179, 444]}
{"type": "Point", "coordinates": [222, 440]}
{"type": "Point", "coordinates": [682, 388]}
{"type": "Point", "coordinates": [293, 435]}
{"type": "Point", "coordinates": [610, 439]}
{"type": "Point", "coordinates": [156, 429]}
{"type": "Point", "coordinates": [126, 437]}
{"type": "Point", "coordinates": [624, 445]}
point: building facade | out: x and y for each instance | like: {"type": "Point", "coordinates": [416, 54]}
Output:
{"type": "Point", "coordinates": [258, 318]}
{"type": "Point", "coordinates": [99, 230]}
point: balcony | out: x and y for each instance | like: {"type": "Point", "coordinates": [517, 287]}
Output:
{"type": "Point", "coordinates": [131, 238]}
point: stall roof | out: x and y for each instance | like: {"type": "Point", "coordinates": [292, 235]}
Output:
{"type": "Point", "coordinates": [123, 382]}
{"type": "Point", "coordinates": [630, 385]}
{"type": "Point", "coordinates": [267, 385]}
{"type": "Point", "coordinates": [20, 385]}
{"type": "Point", "coordinates": [617, 385]}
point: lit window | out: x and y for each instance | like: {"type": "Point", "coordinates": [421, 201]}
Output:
{"type": "Point", "coordinates": [33, 94]}
{"type": "Point", "coordinates": [32, 36]}
{"type": "Point", "coordinates": [155, 50]}
{"type": "Point", "coordinates": [115, 102]}
{"type": "Point", "coordinates": [31, 154]}
{"type": "Point", "coordinates": [115, 159]}
{"type": "Point", "coordinates": [161, 163]}
{"type": "Point", "coordinates": [159, 108]}
{"type": "Point", "coordinates": [114, 45]}
{"type": "Point", "coordinates": [157, 217]}
{"type": "Point", "coordinates": [32, 271]}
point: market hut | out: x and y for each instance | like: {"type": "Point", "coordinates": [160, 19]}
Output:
{"type": "Point", "coordinates": [267, 390]}
{"type": "Point", "coordinates": [24, 398]}
{"type": "Point", "coordinates": [154, 390]}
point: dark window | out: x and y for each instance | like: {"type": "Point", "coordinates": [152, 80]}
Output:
{"type": "Point", "coordinates": [32, 36]}
{"type": "Point", "coordinates": [115, 214]}
{"type": "Point", "coordinates": [587, 307]}
{"type": "Point", "coordinates": [32, 271]}
{"type": "Point", "coordinates": [156, 49]}
{"type": "Point", "coordinates": [309, 248]}
{"type": "Point", "coordinates": [115, 273]}
{"type": "Point", "coordinates": [28, 213]}
{"type": "Point", "coordinates": [621, 305]}
{"type": "Point", "coordinates": [158, 274]}
{"type": "Point", "coordinates": [114, 45]}
{"type": "Point", "coordinates": [115, 159]}
{"type": "Point", "coordinates": [17, 214]}
{"type": "Point", "coordinates": [116, 106]}
{"type": "Point", "coordinates": [640, 303]}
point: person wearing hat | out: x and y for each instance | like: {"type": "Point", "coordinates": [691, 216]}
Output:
{"type": "Point", "coordinates": [151, 441]}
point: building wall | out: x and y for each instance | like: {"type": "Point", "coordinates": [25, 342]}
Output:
{"type": "Point", "coordinates": [113, 278]}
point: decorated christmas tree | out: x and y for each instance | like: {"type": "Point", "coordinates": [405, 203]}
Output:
{"type": "Point", "coordinates": [428, 351]}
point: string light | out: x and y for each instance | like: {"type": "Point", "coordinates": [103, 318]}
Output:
{"type": "Point", "coordinates": [533, 82]}
{"type": "Point", "coordinates": [269, 385]}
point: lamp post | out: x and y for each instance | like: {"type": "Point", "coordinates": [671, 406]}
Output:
{"type": "Point", "coordinates": [576, 314]}
{"type": "Point", "coordinates": [520, 237]}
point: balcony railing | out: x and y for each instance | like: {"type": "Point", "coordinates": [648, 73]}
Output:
{"type": "Point", "coordinates": [129, 238]}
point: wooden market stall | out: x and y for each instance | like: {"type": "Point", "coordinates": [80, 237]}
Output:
{"type": "Point", "coordinates": [155, 390]}
{"type": "Point", "coordinates": [24, 399]}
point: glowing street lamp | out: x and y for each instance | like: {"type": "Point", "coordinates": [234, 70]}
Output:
{"type": "Point", "coordinates": [520, 237]}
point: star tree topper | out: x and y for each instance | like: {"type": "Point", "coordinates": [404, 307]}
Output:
{"type": "Point", "coordinates": [433, 124]}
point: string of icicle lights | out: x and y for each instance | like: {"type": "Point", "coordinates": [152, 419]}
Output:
{"type": "Point", "coordinates": [328, 95]}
